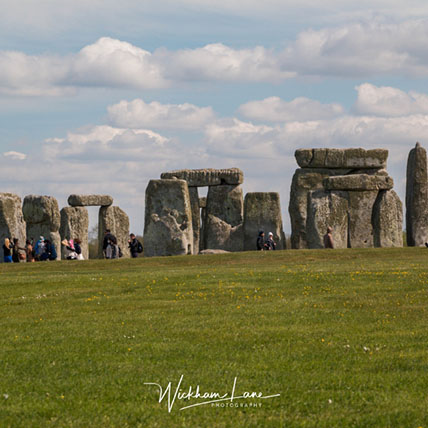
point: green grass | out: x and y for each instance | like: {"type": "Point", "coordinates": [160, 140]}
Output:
{"type": "Point", "coordinates": [341, 335]}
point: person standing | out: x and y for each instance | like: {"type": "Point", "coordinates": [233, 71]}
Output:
{"type": "Point", "coordinates": [270, 243]}
{"type": "Point", "coordinates": [29, 251]}
{"type": "Point", "coordinates": [110, 248]}
{"type": "Point", "coordinates": [135, 246]}
{"type": "Point", "coordinates": [17, 256]}
{"type": "Point", "coordinates": [261, 241]}
{"type": "Point", "coordinates": [328, 238]}
{"type": "Point", "coordinates": [7, 251]}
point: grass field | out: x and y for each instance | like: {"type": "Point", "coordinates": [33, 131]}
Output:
{"type": "Point", "coordinates": [340, 335]}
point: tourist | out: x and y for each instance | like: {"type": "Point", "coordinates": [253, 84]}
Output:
{"type": "Point", "coordinates": [50, 251]}
{"type": "Point", "coordinates": [110, 247]}
{"type": "Point", "coordinates": [7, 251]}
{"type": "Point", "coordinates": [78, 249]}
{"type": "Point", "coordinates": [39, 248]}
{"type": "Point", "coordinates": [270, 243]}
{"type": "Point", "coordinates": [29, 251]}
{"type": "Point", "coordinates": [70, 252]}
{"type": "Point", "coordinates": [17, 255]}
{"type": "Point", "coordinates": [328, 238]}
{"type": "Point", "coordinates": [261, 241]}
{"type": "Point", "coordinates": [135, 246]}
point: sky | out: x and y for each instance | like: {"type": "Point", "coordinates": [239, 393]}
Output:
{"type": "Point", "coordinates": [102, 96]}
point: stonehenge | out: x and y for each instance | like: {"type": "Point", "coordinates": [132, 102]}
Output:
{"type": "Point", "coordinates": [348, 190]}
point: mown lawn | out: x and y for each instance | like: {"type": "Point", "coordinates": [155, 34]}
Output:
{"type": "Point", "coordinates": [340, 335]}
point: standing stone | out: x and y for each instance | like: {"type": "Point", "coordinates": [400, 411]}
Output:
{"type": "Point", "coordinates": [12, 224]}
{"type": "Point", "coordinates": [74, 224]}
{"type": "Point", "coordinates": [41, 214]}
{"type": "Point", "coordinates": [360, 218]}
{"type": "Point", "coordinates": [223, 218]}
{"type": "Point", "coordinates": [196, 217]}
{"type": "Point", "coordinates": [388, 220]}
{"type": "Point", "coordinates": [117, 221]}
{"type": "Point", "coordinates": [303, 182]}
{"type": "Point", "coordinates": [168, 229]}
{"type": "Point", "coordinates": [417, 197]}
{"type": "Point", "coordinates": [262, 211]}
{"type": "Point", "coordinates": [327, 208]}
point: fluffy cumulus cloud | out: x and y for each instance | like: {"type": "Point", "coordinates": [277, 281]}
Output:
{"type": "Point", "coordinates": [139, 114]}
{"type": "Point", "coordinates": [273, 109]}
{"type": "Point", "coordinates": [15, 155]}
{"type": "Point", "coordinates": [387, 101]}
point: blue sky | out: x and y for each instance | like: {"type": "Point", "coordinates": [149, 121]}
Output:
{"type": "Point", "coordinates": [100, 96]}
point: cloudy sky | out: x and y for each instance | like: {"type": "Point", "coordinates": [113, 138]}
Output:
{"type": "Point", "coordinates": [99, 96]}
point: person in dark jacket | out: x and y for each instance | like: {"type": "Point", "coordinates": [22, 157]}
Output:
{"type": "Point", "coordinates": [135, 246]}
{"type": "Point", "coordinates": [110, 248]}
{"type": "Point", "coordinates": [270, 243]}
{"type": "Point", "coordinates": [261, 241]}
{"type": "Point", "coordinates": [50, 251]}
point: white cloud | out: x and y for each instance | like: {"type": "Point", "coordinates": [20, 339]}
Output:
{"type": "Point", "coordinates": [15, 155]}
{"type": "Point", "coordinates": [273, 109]}
{"type": "Point", "coordinates": [217, 62]}
{"type": "Point", "coordinates": [139, 114]}
{"type": "Point", "coordinates": [362, 49]}
{"type": "Point", "coordinates": [387, 101]}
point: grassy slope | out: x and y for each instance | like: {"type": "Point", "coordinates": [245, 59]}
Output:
{"type": "Point", "coordinates": [340, 334]}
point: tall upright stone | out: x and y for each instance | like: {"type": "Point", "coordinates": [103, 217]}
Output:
{"type": "Point", "coordinates": [168, 229]}
{"type": "Point", "coordinates": [116, 220]}
{"type": "Point", "coordinates": [262, 211]}
{"type": "Point", "coordinates": [417, 197]}
{"type": "Point", "coordinates": [12, 224]}
{"type": "Point", "coordinates": [196, 217]}
{"type": "Point", "coordinates": [388, 220]}
{"type": "Point", "coordinates": [327, 209]}
{"type": "Point", "coordinates": [74, 225]}
{"type": "Point", "coordinates": [224, 218]}
{"type": "Point", "coordinates": [42, 217]}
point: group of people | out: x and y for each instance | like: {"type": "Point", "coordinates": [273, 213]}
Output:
{"type": "Point", "coordinates": [73, 250]}
{"type": "Point", "coordinates": [111, 249]}
{"type": "Point", "coordinates": [42, 250]}
{"type": "Point", "coordinates": [265, 244]}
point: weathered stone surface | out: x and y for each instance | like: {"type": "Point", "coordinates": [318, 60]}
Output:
{"type": "Point", "coordinates": [90, 200]}
{"type": "Point", "coordinates": [196, 217]}
{"type": "Point", "coordinates": [262, 211]}
{"type": "Point", "coordinates": [203, 202]}
{"type": "Point", "coordinates": [117, 221]}
{"type": "Point", "coordinates": [42, 217]}
{"type": "Point", "coordinates": [388, 220]}
{"type": "Point", "coordinates": [12, 224]}
{"type": "Point", "coordinates": [341, 158]}
{"type": "Point", "coordinates": [168, 226]}
{"type": "Point", "coordinates": [222, 224]}
{"type": "Point", "coordinates": [417, 197]}
{"type": "Point", "coordinates": [303, 181]}
{"type": "Point", "coordinates": [74, 225]}
{"type": "Point", "coordinates": [327, 208]}
{"type": "Point", "coordinates": [360, 218]}
{"type": "Point", "coordinates": [359, 182]}
{"type": "Point", "coordinates": [207, 177]}
{"type": "Point", "coordinates": [221, 235]}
